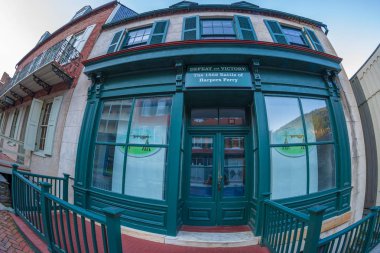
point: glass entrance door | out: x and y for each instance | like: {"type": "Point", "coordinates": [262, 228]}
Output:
{"type": "Point", "coordinates": [216, 179]}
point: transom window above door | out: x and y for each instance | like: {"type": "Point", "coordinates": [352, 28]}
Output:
{"type": "Point", "coordinates": [217, 29]}
{"type": "Point", "coordinates": [218, 116]}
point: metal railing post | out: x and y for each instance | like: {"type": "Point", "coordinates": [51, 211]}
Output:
{"type": "Point", "coordinates": [14, 170]}
{"type": "Point", "coordinates": [371, 229]}
{"type": "Point", "coordinates": [260, 223]}
{"type": "Point", "coordinates": [314, 229]}
{"type": "Point", "coordinates": [65, 189]}
{"type": "Point", "coordinates": [113, 228]}
{"type": "Point", "coordinates": [45, 188]}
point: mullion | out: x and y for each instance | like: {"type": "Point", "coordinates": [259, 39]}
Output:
{"type": "Point", "coordinates": [108, 117]}
{"type": "Point", "coordinates": [126, 145]}
{"type": "Point", "coordinates": [148, 145]}
{"type": "Point", "coordinates": [109, 143]}
{"type": "Point", "coordinates": [307, 147]}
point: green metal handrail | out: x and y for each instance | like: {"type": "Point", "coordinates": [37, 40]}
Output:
{"type": "Point", "coordinates": [285, 229]}
{"type": "Point", "coordinates": [63, 226]}
{"type": "Point", "coordinates": [361, 236]}
{"type": "Point", "coordinates": [26, 198]}
{"type": "Point", "coordinates": [375, 239]}
{"type": "Point", "coordinates": [60, 185]}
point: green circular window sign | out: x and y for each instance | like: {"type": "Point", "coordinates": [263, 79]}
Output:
{"type": "Point", "coordinates": [289, 136]}
{"type": "Point", "coordinates": [140, 152]}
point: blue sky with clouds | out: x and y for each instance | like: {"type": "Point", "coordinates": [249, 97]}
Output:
{"type": "Point", "coordinates": [354, 24]}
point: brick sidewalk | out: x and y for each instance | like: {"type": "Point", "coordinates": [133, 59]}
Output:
{"type": "Point", "coordinates": [10, 238]}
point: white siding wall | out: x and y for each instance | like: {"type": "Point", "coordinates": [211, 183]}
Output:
{"type": "Point", "coordinates": [369, 81]}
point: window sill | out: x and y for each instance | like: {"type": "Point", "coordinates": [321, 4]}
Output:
{"type": "Point", "coordinates": [40, 154]}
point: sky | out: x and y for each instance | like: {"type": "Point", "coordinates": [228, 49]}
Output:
{"type": "Point", "coordinates": [353, 24]}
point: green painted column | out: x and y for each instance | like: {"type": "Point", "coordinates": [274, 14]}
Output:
{"type": "Point", "coordinates": [263, 152]}
{"type": "Point", "coordinates": [82, 166]}
{"type": "Point", "coordinates": [343, 169]}
{"type": "Point", "coordinates": [174, 160]}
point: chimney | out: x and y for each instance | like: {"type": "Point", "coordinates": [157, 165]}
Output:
{"type": "Point", "coordinates": [5, 78]}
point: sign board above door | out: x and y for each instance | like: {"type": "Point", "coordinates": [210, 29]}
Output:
{"type": "Point", "coordinates": [218, 76]}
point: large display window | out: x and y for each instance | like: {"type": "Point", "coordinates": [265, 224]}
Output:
{"type": "Point", "coordinates": [131, 147]}
{"type": "Point", "coordinates": [302, 147]}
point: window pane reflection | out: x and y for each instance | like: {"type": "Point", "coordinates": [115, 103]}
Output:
{"type": "Point", "coordinates": [113, 125]}
{"type": "Point", "coordinates": [322, 167]}
{"type": "Point", "coordinates": [318, 127]}
{"type": "Point", "coordinates": [150, 121]}
{"type": "Point", "coordinates": [233, 116]}
{"type": "Point", "coordinates": [289, 172]}
{"type": "Point", "coordinates": [204, 117]}
{"type": "Point", "coordinates": [201, 167]}
{"type": "Point", "coordinates": [284, 120]}
{"type": "Point", "coordinates": [234, 167]}
{"type": "Point", "coordinates": [145, 172]}
{"type": "Point", "coordinates": [108, 167]}
{"type": "Point", "coordinates": [218, 116]}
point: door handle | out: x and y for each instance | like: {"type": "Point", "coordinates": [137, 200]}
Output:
{"type": "Point", "coordinates": [220, 177]}
{"type": "Point", "coordinates": [220, 183]}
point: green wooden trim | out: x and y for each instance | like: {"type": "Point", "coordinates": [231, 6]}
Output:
{"type": "Point", "coordinates": [343, 159]}
{"type": "Point", "coordinates": [196, 29]}
{"type": "Point", "coordinates": [263, 152]}
{"type": "Point", "coordinates": [273, 33]}
{"type": "Point", "coordinates": [115, 42]}
{"type": "Point", "coordinates": [306, 146]}
{"type": "Point", "coordinates": [238, 28]}
{"type": "Point", "coordinates": [86, 136]}
{"type": "Point", "coordinates": [314, 40]}
{"type": "Point", "coordinates": [163, 34]}
{"type": "Point", "coordinates": [126, 143]}
{"type": "Point", "coordinates": [174, 158]}
{"type": "Point", "coordinates": [227, 52]}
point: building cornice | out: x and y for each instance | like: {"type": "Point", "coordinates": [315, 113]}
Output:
{"type": "Point", "coordinates": [219, 8]}
{"type": "Point", "coordinates": [200, 43]}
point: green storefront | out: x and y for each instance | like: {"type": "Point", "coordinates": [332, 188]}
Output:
{"type": "Point", "coordinates": [200, 133]}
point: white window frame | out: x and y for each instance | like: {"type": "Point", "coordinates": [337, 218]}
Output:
{"type": "Point", "coordinates": [40, 126]}
{"type": "Point", "coordinates": [32, 139]}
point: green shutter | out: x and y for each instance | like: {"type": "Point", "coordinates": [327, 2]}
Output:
{"type": "Point", "coordinates": [190, 29]}
{"type": "Point", "coordinates": [115, 41]}
{"type": "Point", "coordinates": [314, 39]}
{"type": "Point", "coordinates": [53, 117]}
{"type": "Point", "coordinates": [276, 31]}
{"type": "Point", "coordinates": [244, 28]}
{"type": "Point", "coordinates": [159, 31]}
{"type": "Point", "coordinates": [32, 125]}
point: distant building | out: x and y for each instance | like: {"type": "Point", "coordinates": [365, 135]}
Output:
{"type": "Point", "coordinates": [366, 86]}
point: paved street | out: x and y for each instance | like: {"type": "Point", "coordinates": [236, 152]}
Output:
{"type": "Point", "coordinates": [10, 238]}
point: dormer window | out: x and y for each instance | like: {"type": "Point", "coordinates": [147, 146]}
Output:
{"type": "Point", "coordinates": [295, 36]}
{"type": "Point", "coordinates": [236, 27]}
{"type": "Point", "coordinates": [137, 37]}
{"type": "Point", "coordinates": [217, 29]}
{"type": "Point", "coordinates": [83, 11]}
